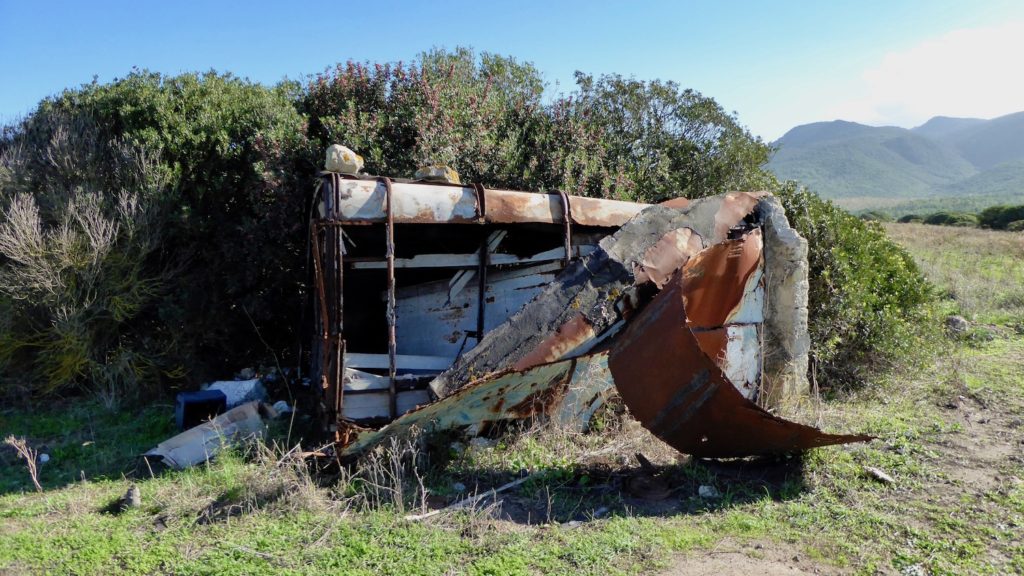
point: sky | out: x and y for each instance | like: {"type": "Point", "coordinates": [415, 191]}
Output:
{"type": "Point", "coordinates": [776, 64]}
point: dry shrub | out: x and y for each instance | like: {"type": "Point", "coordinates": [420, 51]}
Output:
{"type": "Point", "coordinates": [77, 233]}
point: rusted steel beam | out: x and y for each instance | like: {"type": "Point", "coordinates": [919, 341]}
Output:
{"type": "Point", "coordinates": [390, 256]}
{"type": "Point", "coordinates": [417, 203]}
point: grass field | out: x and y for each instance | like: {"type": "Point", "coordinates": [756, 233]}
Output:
{"type": "Point", "coordinates": [949, 422]}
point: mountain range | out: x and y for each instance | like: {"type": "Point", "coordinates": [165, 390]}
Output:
{"type": "Point", "coordinates": [861, 166]}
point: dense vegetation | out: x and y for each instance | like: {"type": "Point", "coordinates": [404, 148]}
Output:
{"type": "Point", "coordinates": [152, 228]}
{"type": "Point", "coordinates": [999, 217]}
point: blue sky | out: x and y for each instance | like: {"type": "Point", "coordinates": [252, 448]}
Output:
{"type": "Point", "coordinates": [776, 63]}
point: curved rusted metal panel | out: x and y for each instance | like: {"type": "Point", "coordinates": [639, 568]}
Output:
{"type": "Point", "coordinates": [677, 390]}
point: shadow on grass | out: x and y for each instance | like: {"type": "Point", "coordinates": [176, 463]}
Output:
{"type": "Point", "coordinates": [582, 494]}
{"type": "Point", "coordinates": [81, 439]}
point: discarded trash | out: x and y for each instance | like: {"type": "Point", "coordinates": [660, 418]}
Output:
{"type": "Point", "coordinates": [44, 458]}
{"type": "Point", "coordinates": [282, 407]}
{"type": "Point", "coordinates": [708, 492]}
{"type": "Point", "coordinates": [879, 475]}
{"type": "Point", "coordinates": [512, 305]}
{"type": "Point", "coordinates": [239, 392]}
{"type": "Point", "coordinates": [194, 408]}
{"type": "Point", "coordinates": [202, 442]}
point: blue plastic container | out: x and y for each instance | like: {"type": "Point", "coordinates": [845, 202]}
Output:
{"type": "Point", "coordinates": [194, 408]}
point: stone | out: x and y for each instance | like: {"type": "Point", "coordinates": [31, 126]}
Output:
{"type": "Point", "coordinates": [957, 325]}
{"type": "Point", "coordinates": [438, 173]}
{"type": "Point", "coordinates": [708, 492]}
{"type": "Point", "coordinates": [342, 159]}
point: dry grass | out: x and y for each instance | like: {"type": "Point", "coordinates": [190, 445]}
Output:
{"type": "Point", "coordinates": [982, 271]}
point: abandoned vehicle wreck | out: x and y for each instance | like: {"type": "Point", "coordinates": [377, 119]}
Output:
{"type": "Point", "coordinates": [441, 305]}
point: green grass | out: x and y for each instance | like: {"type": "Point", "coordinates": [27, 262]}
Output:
{"type": "Point", "coordinates": [949, 428]}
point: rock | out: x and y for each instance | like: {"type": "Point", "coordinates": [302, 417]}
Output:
{"type": "Point", "coordinates": [437, 173]}
{"type": "Point", "coordinates": [957, 325]}
{"type": "Point", "coordinates": [879, 475]}
{"type": "Point", "coordinates": [480, 442]}
{"type": "Point", "coordinates": [708, 492]}
{"type": "Point", "coordinates": [132, 498]}
{"type": "Point", "coordinates": [246, 374]}
{"type": "Point", "coordinates": [459, 487]}
{"type": "Point", "coordinates": [914, 570]}
{"type": "Point", "coordinates": [342, 159]}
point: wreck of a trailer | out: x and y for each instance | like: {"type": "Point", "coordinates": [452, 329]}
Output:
{"type": "Point", "coordinates": [442, 305]}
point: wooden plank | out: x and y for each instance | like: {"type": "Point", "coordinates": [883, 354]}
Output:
{"type": "Point", "coordinates": [374, 405]}
{"type": "Point", "coordinates": [467, 260]}
{"type": "Point", "coordinates": [403, 361]}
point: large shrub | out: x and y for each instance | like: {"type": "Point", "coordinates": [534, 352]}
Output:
{"type": "Point", "coordinates": [951, 219]}
{"type": "Point", "coordinates": [228, 212]}
{"type": "Point", "coordinates": [611, 137]}
{"type": "Point", "coordinates": [1000, 217]}
{"type": "Point", "coordinates": [867, 295]}
{"type": "Point", "coordinates": [78, 280]}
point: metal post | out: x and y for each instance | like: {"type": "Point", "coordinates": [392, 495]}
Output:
{"type": "Point", "coordinates": [390, 256]}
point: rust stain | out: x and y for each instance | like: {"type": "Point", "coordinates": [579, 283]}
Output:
{"type": "Point", "coordinates": [713, 344]}
{"type": "Point", "coordinates": [666, 256]}
{"type": "Point", "coordinates": [598, 212]}
{"type": "Point", "coordinates": [678, 392]}
{"type": "Point", "coordinates": [715, 280]}
{"type": "Point", "coordinates": [505, 208]}
{"type": "Point", "coordinates": [569, 335]}
{"type": "Point", "coordinates": [735, 207]}
{"type": "Point", "coordinates": [541, 401]}
{"type": "Point", "coordinates": [677, 203]}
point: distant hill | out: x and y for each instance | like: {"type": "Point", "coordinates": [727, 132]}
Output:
{"type": "Point", "coordinates": [944, 157]}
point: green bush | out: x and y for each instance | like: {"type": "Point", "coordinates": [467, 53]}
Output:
{"type": "Point", "coordinates": [910, 218]}
{"type": "Point", "coordinates": [867, 296]}
{"type": "Point", "coordinates": [78, 280]}
{"type": "Point", "coordinates": [1000, 217]}
{"type": "Point", "coordinates": [1016, 226]}
{"type": "Point", "coordinates": [224, 189]}
{"type": "Point", "coordinates": [611, 137]}
{"type": "Point", "coordinates": [951, 219]}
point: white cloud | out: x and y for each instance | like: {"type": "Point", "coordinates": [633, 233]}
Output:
{"type": "Point", "coordinates": [976, 72]}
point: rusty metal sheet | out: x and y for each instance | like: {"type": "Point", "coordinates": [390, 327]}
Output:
{"type": "Point", "coordinates": [735, 207]}
{"type": "Point", "coordinates": [567, 337]}
{"type": "Point", "coordinates": [679, 393]}
{"type": "Point", "coordinates": [667, 255]}
{"type": "Point", "coordinates": [506, 395]}
{"type": "Point", "coordinates": [715, 281]}
{"type": "Point", "coordinates": [602, 212]}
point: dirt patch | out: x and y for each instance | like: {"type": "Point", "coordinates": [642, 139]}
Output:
{"type": "Point", "coordinates": [989, 441]}
{"type": "Point", "coordinates": [758, 557]}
